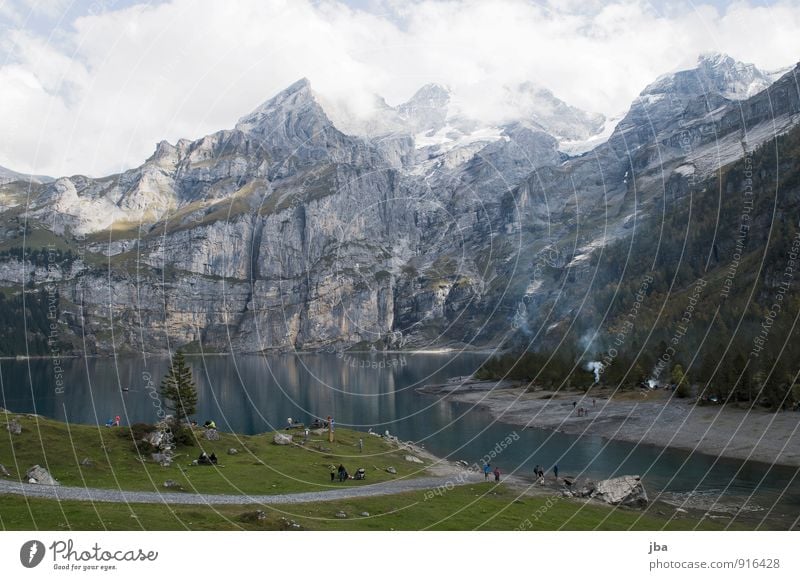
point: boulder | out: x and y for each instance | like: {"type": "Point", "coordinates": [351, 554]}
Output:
{"type": "Point", "coordinates": [154, 438]}
{"type": "Point", "coordinates": [172, 484]}
{"type": "Point", "coordinates": [86, 462]}
{"type": "Point", "coordinates": [233, 451]}
{"type": "Point", "coordinates": [3, 471]}
{"type": "Point", "coordinates": [14, 427]}
{"type": "Point", "coordinates": [211, 435]}
{"type": "Point", "coordinates": [364, 514]}
{"type": "Point", "coordinates": [341, 515]}
{"type": "Point", "coordinates": [391, 470]}
{"type": "Point", "coordinates": [282, 439]}
{"type": "Point", "coordinates": [626, 490]}
{"type": "Point", "coordinates": [40, 475]}
{"type": "Point", "coordinates": [413, 459]}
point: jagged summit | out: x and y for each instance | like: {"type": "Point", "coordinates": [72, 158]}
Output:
{"type": "Point", "coordinates": [296, 102]}
{"type": "Point", "coordinates": [715, 74]}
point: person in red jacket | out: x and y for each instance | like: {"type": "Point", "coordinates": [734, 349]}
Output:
{"type": "Point", "coordinates": [496, 473]}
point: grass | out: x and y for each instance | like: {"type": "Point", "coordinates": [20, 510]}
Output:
{"type": "Point", "coordinates": [260, 467]}
{"type": "Point", "coordinates": [476, 507]}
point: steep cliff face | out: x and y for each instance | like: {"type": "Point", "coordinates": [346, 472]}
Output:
{"type": "Point", "coordinates": [289, 233]}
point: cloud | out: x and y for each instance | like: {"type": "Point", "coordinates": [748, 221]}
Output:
{"type": "Point", "coordinates": [96, 97]}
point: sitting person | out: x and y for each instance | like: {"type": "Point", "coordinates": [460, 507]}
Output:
{"type": "Point", "coordinates": [110, 423]}
{"type": "Point", "coordinates": [210, 425]}
{"type": "Point", "coordinates": [213, 458]}
{"type": "Point", "coordinates": [204, 459]}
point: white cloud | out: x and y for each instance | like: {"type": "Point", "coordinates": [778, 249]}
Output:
{"type": "Point", "coordinates": [99, 97]}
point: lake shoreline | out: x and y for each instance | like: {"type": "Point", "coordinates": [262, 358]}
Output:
{"type": "Point", "coordinates": [651, 418]}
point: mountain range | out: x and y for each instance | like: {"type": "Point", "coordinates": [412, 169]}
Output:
{"type": "Point", "coordinates": [307, 226]}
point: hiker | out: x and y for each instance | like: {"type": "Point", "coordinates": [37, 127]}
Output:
{"type": "Point", "coordinates": [497, 473]}
{"type": "Point", "coordinates": [342, 472]}
{"type": "Point", "coordinates": [289, 421]}
{"type": "Point", "coordinates": [555, 471]}
{"type": "Point", "coordinates": [594, 402]}
{"type": "Point", "coordinates": [573, 404]}
{"type": "Point", "coordinates": [333, 473]}
{"type": "Point", "coordinates": [110, 422]}
{"type": "Point", "coordinates": [361, 446]}
{"type": "Point", "coordinates": [536, 471]}
{"type": "Point", "coordinates": [116, 421]}
{"type": "Point", "coordinates": [210, 425]}
{"type": "Point", "coordinates": [486, 470]}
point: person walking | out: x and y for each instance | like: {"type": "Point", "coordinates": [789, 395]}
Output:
{"type": "Point", "coordinates": [555, 471]}
{"type": "Point", "coordinates": [496, 474]}
{"type": "Point", "coordinates": [333, 473]}
{"type": "Point", "coordinates": [361, 446]}
{"type": "Point", "coordinates": [536, 471]}
{"type": "Point", "coordinates": [487, 469]}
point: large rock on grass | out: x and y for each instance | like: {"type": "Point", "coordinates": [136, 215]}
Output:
{"type": "Point", "coordinates": [14, 427]}
{"type": "Point", "coordinates": [40, 475]}
{"type": "Point", "coordinates": [212, 435]}
{"type": "Point", "coordinates": [282, 439]}
{"type": "Point", "coordinates": [626, 490]}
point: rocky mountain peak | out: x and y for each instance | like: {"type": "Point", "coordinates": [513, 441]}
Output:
{"type": "Point", "coordinates": [296, 103]}
{"type": "Point", "coordinates": [427, 109]}
{"type": "Point", "coordinates": [733, 79]}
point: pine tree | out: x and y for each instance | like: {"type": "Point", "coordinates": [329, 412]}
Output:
{"type": "Point", "coordinates": [178, 389]}
{"type": "Point", "coordinates": [681, 382]}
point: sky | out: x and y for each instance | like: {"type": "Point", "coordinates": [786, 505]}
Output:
{"type": "Point", "coordinates": [91, 87]}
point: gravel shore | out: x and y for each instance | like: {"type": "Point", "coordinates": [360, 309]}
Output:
{"type": "Point", "coordinates": [645, 417]}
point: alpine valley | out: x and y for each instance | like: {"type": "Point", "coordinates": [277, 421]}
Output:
{"type": "Point", "coordinates": [307, 227]}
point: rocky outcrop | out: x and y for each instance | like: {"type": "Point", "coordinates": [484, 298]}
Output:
{"type": "Point", "coordinates": [626, 490]}
{"type": "Point", "coordinates": [14, 427]}
{"type": "Point", "coordinates": [40, 475]}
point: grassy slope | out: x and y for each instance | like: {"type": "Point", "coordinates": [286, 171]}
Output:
{"type": "Point", "coordinates": [489, 507]}
{"type": "Point", "coordinates": [260, 467]}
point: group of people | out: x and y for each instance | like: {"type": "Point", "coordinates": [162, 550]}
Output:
{"type": "Point", "coordinates": [538, 472]}
{"type": "Point", "coordinates": [206, 459]}
{"type": "Point", "coordinates": [487, 470]}
{"type": "Point", "coordinates": [580, 411]}
{"type": "Point", "coordinates": [113, 422]}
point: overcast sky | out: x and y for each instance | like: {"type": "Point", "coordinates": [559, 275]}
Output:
{"type": "Point", "coordinates": [90, 87]}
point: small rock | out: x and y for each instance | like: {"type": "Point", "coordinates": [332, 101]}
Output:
{"type": "Point", "coordinates": [163, 459]}
{"type": "Point", "coordinates": [253, 517]}
{"type": "Point", "coordinates": [40, 475]}
{"type": "Point", "coordinates": [365, 514]}
{"type": "Point", "coordinates": [341, 515]}
{"type": "Point", "coordinates": [172, 484]}
{"type": "Point", "coordinates": [14, 427]}
{"type": "Point", "coordinates": [233, 451]}
{"type": "Point", "coordinates": [282, 439]}
{"type": "Point", "coordinates": [413, 459]}
{"type": "Point", "coordinates": [86, 462]}
{"type": "Point", "coordinates": [211, 435]}
{"type": "Point", "coordinates": [3, 471]}
{"type": "Point", "coordinates": [391, 470]}
{"type": "Point", "coordinates": [681, 511]}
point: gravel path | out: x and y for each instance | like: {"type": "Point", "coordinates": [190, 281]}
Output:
{"type": "Point", "coordinates": [347, 491]}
